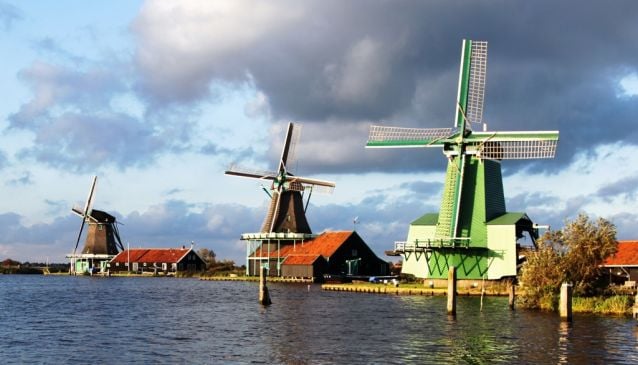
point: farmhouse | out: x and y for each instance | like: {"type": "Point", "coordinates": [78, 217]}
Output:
{"type": "Point", "coordinates": [623, 265]}
{"type": "Point", "coordinates": [158, 260]}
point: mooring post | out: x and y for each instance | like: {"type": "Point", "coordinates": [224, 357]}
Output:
{"type": "Point", "coordinates": [512, 293]}
{"type": "Point", "coordinates": [264, 297]}
{"type": "Point", "coordinates": [566, 302]}
{"type": "Point", "coordinates": [451, 291]}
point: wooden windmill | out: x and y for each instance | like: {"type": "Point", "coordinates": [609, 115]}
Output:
{"type": "Point", "coordinates": [102, 241]}
{"type": "Point", "coordinates": [285, 222]}
{"type": "Point", "coordinates": [464, 233]}
{"type": "Point", "coordinates": [287, 211]}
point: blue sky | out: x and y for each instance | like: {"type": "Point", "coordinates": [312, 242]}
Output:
{"type": "Point", "coordinates": [157, 98]}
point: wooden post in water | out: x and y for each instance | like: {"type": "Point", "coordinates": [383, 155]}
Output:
{"type": "Point", "coordinates": [451, 291]}
{"type": "Point", "coordinates": [264, 297]}
{"type": "Point", "coordinates": [566, 302]}
{"type": "Point", "coordinates": [512, 293]}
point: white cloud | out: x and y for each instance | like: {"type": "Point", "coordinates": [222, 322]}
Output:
{"type": "Point", "coordinates": [629, 85]}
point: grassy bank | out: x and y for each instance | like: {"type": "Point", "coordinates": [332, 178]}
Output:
{"type": "Point", "coordinates": [617, 304]}
{"type": "Point", "coordinates": [614, 304]}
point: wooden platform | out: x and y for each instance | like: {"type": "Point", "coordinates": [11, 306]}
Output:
{"type": "Point", "coordinates": [388, 289]}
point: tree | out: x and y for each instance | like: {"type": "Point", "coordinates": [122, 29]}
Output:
{"type": "Point", "coordinates": [207, 255]}
{"type": "Point", "coordinates": [573, 254]}
{"type": "Point", "coordinates": [587, 245]}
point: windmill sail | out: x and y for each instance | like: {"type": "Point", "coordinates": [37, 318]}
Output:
{"type": "Point", "coordinates": [255, 174]}
{"type": "Point", "coordinates": [476, 87]}
{"type": "Point", "coordinates": [393, 137]}
{"type": "Point", "coordinates": [514, 145]}
{"type": "Point", "coordinates": [288, 154]}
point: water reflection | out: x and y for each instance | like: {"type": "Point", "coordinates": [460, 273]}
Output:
{"type": "Point", "coordinates": [564, 329]}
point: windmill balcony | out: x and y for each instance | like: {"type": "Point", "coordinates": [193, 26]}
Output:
{"type": "Point", "coordinates": [427, 245]}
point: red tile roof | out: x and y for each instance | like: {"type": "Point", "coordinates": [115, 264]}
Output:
{"type": "Point", "coordinates": [151, 255]}
{"type": "Point", "coordinates": [301, 259]}
{"type": "Point", "coordinates": [325, 245]}
{"type": "Point", "coordinates": [627, 255]}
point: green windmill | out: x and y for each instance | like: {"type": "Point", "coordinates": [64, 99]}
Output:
{"type": "Point", "coordinates": [472, 230]}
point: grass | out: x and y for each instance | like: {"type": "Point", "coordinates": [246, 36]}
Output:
{"type": "Point", "coordinates": [617, 304]}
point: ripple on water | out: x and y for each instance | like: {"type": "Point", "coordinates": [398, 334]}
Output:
{"type": "Point", "coordinates": [143, 320]}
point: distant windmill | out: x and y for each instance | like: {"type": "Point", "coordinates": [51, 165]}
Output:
{"type": "Point", "coordinates": [102, 241]}
{"type": "Point", "coordinates": [473, 195]}
{"type": "Point", "coordinates": [287, 211]}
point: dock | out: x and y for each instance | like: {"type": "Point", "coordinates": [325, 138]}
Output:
{"type": "Point", "coordinates": [392, 290]}
{"type": "Point", "coordinates": [271, 279]}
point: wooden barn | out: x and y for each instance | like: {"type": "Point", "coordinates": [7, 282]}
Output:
{"type": "Point", "coordinates": [340, 253]}
{"type": "Point", "coordinates": [623, 265]}
{"type": "Point", "coordinates": [158, 260]}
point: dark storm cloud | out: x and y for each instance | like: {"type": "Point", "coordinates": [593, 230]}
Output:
{"type": "Point", "coordinates": [551, 66]}
{"type": "Point", "coordinates": [625, 188]}
{"type": "Point", "coordinates": [423, 188]}
{"type": "Point", "coordinates": [9, 14]}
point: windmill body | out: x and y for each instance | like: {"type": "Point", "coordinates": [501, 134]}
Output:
{"type": "Point", "coordinates": [285, 222]}
{"type": "Point", "coordinates": [472, 230]}
{"type": "Point", "coordinates": [102, 242]}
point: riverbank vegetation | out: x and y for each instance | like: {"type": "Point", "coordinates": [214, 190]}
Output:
{"type": "Point", "coordinates": [216, 267]}
{"type": "Point", "coordinates": [573, 255]}
{"type": "Point", "coordinates": [9, 266]}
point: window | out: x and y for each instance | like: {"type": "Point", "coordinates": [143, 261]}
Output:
{"type": "Point", "coordinates": [100, 227]}
{"type": "Point", "coordinates": [354, 252]}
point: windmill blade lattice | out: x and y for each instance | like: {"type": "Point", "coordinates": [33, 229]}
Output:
{"type": "Point", "coordinates": [86, 212]}
{"type": "Point", "coordinates": [518, 149]}
{"type": "Point", "coordinates": [476, 89]}
{"type": "Point", "coordinates": [289, 153]}
{"type": "Point", "coordinates": [251, 173]}
{"type": "Point", "coordinates": [382, 136]}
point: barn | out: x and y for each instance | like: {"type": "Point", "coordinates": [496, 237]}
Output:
{"type": "Point", "coordinates": [157, 260]}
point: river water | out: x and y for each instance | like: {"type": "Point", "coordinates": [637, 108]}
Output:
{"type": "Point", "coordinates": [63, 320]}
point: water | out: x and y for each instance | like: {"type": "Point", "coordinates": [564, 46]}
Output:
{"type": "Point", "coordinates": [62, 320]}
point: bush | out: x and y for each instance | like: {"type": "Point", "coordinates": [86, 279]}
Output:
{"type": "Point", "coordinates": [573, 254]}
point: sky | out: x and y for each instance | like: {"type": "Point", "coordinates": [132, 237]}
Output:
{"type": "Point", "coordinates": [158, 98]}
